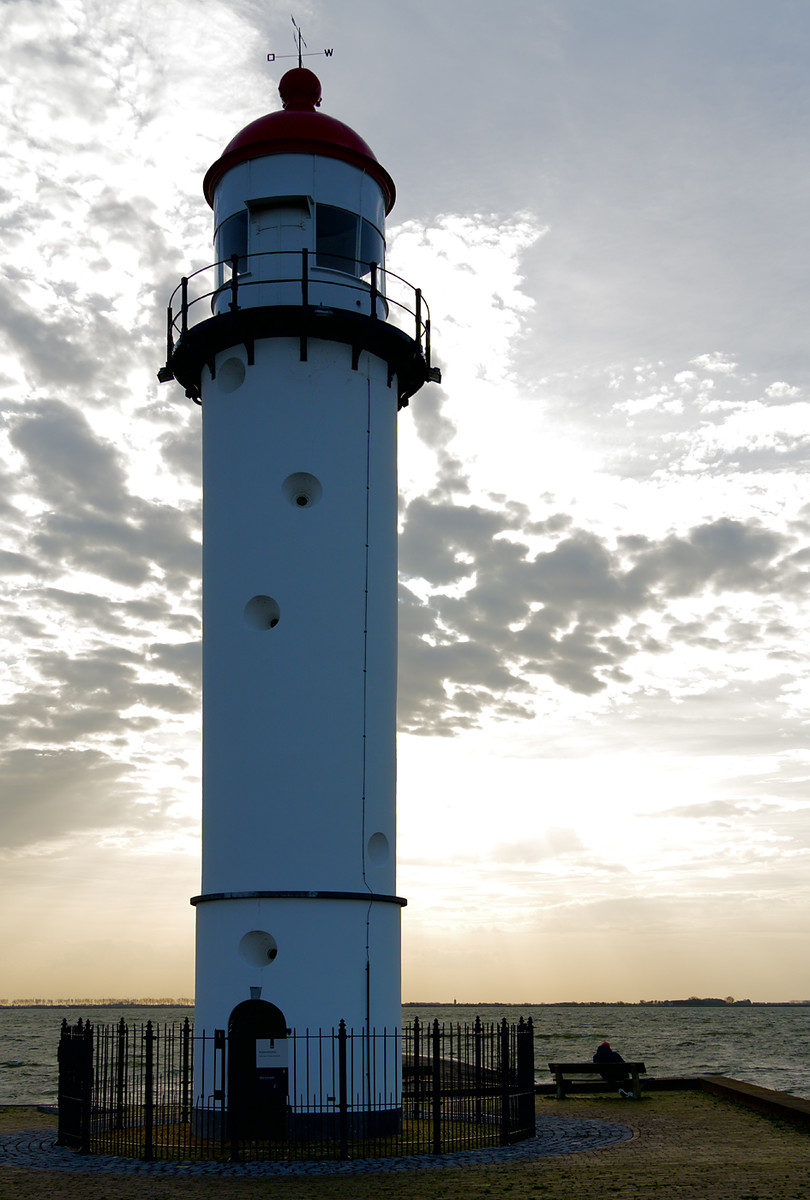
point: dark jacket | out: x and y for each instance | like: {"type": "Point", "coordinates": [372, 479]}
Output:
{"type": "Point", "coordinates": [604, 1056]}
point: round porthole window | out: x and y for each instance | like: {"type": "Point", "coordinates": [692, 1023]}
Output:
{"type": "Point", "coordinates": [231, 375]}
{"type": "Point", "coordinates": [262, 612]}
{"type": "Point", "coordinates": [302, 490]}
{"type": "Point", "coordinates": [378, 849]}
{"type": "Point", "coordinates": [258, 947]}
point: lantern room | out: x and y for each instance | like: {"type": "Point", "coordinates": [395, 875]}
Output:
{"type": "Point", "coordinates": [299, 181]}
{"type": "Point", "coordinates": [299, 204]}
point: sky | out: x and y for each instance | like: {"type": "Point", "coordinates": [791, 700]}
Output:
{"type": "Point", "coordinates": [604, 557]}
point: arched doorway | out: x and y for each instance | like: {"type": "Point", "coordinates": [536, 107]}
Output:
{"type": "Point", "coordinates": [257, 1070]}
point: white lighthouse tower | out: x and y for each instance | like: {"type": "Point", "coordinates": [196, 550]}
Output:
{"type": "Point", "coordinates": [300, 353]}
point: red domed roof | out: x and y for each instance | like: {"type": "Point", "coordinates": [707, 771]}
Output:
{"type": "Point", "coordinates": [299, 129]}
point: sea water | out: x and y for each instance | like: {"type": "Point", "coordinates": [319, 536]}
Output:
{"type": "Point", "coordinates": [768, 1045]}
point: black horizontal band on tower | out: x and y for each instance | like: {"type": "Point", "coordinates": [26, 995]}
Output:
{"type": "Point", "coordinates": [199, 345]}
{"type": "Point", "coordinates": [377, 897]}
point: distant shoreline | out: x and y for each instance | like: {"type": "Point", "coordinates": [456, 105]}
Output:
{"type": "Point", "coordinates": [50, 1004]}
{"type": "Point", "coordinates": [695, 1002]}
{"type": "Point", "coordinates": [691, 1003]}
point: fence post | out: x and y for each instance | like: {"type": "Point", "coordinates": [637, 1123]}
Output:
{"type": "Point", "coordinates": [61, 1058]}
{"type": "Point", "coordinates": [183, 305]}
{"type": "Point", "coordinates": [417, 1086]}
{"type": "Point", "coordinates": [343, 1101]}
{"type": "Point", "coordinates": [121, 1074]}
{"type": "Point", "coordinates": [149, 1096]}
{"type": "Point", "coordinates": [503, 1037]}
{"type": "Point", "coordinates": [437, 1089]}
{"type": "Point", "coordinates": [86, 1072]}
{"type": "Point", "coordinates": [374, 292]}
{"type": "Point", "coordinates": [479, 1077]}
{"type": "Point", "coordinates": [234, 305]}
{"type": "Point", "coordinates": [185, 1101]}
{"type": "Point", "coordinates": [525, 1078]}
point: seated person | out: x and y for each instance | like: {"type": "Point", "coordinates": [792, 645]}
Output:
{"type": "Point", "coordinates": [604, 1057]}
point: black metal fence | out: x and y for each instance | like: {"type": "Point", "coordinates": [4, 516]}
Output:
{"type": "Point", "coordinates": [133, 1090]}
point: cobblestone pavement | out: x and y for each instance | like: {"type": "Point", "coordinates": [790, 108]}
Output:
{"type": "Point", "coordinates": [555, 1135]}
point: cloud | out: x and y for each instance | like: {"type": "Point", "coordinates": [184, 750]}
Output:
{"type": "Point", "coordinates": [722, 809]}
{"type": "Point", "coordinates": [72, 467]}
{"type": "Point", "coordinates": [603, 511]}
{"type": "Point", "coordinates": [485, 614]}
{"type": "Point", "coordinates": [725, 554]}
{"type": "Point", "coordinates": [53, 351]}
{"type": "Point", "coordinates": [92, 522]}
{"type": "Point", "coordinates": [555, 843]}
{"type": "Point", "coordinates": [430, 418]}
{"type": "Point", "coordinates": [183, 659]}
{"type": "Point", "coordinates": [99, 574]}
{"type": "Point", "coordinates": [71, 698]}
{"type": "Point", "coordinates": [715, 362]}
{"type": "Point", "coordinates": [52, 794]}
{"type": "Point", "coordinates": [182, 453]}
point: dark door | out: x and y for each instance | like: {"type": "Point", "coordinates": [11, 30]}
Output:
{"type": "Point", "coordinates": [257, 1070]}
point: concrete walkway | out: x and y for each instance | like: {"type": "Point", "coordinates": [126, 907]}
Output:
{"type": "Point", "coordinates": [685, 1145]}
{"type": "Point", "coordinates": [555, 1135]}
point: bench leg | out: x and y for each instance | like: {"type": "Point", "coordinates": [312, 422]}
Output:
{"type": "Point", "coordinates": [558, 1079]}
{"type": "Point", "coordinates": [636, 1085]}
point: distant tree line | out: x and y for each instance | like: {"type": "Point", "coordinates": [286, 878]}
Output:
{"type": "Point", "coordinates": [697, 1001]}
{"type": "Point", "coordinates": [710, 1001]}
{"type": "Point", "coordinates": [116, 1002]}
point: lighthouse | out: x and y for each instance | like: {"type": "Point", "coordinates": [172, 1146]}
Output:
{"type": "Point", "coordinates": [300, 347]}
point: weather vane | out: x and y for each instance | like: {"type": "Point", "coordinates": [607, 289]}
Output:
{"type": "Point", "coordinates": [298, 39]}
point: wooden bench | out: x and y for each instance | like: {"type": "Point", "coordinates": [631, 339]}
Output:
{"type": "Point", "coordinates": [564, 1071]}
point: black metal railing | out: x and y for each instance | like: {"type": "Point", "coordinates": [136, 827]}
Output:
{"type": "Point", "coordinates": [205, 290]}
{"type": "Point", "coordinates": [134, 1090]}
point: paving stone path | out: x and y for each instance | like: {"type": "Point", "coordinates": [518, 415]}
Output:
{"type": "Point", "coordinates": [555, 1135]}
